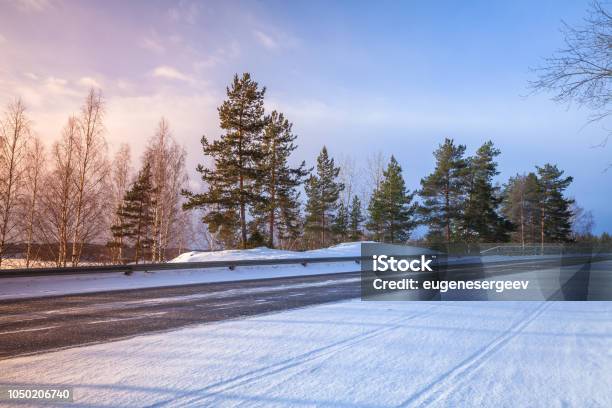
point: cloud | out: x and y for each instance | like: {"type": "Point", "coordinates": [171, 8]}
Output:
{"type": "Point", "coordinates": [89, 82]}
{"type": "Point", "coordinates": [168, 72]}
{"type": "Point", "coordinates": [153, 45]}
{"type": "Point", "coordinates": [33, 6]}
{"type": "Point", "coordinates": [56, 85]}
{"type": "Point", "coordinates": [266, 40]}
{"type": "Point", "coordinates": [185, 11]}
{"type": "Point", "coordinates": [31, 76]}
{"type": "Point", "coordinates": [219, 57]}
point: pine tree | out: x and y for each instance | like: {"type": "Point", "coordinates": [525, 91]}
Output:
{"type": "Point", "coordinates": [555, 210]}
{"type": "Point", "coordinates": [521, 206]}
{"type": "Point", "coordinates": [391, 208]}
{"type": "Point", "coordinates": [340, 226]}
{"type": "Point", "coordinates": [355, 220]}
{"type": "Point", "coordinates": [443, 192]}
{"type": "Point", "coordinates": [236, 157]}
{"type": "Point", "coordinates": [322, 190]}
{"type": "Point", "coordinates": [279, 210]}
{"type": "Point", "coordinates": [136, 213]}
{"type": "Point", "coordinates": [481, 221]}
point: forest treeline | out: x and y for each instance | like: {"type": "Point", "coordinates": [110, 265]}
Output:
{"type": "Point", "coordinates": [72, 194]}
{"type": "Point", "coordinates": [59, 203]}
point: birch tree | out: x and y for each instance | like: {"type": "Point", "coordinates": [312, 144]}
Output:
{"type": "Point", "coordinates": [31, 202]}
{"type": "Point", "coordinates": [169, 178]}
{"type": "Point", "coordinates": [14, 135]}
{"type": "Point", "coordinates": [91, 175]}
{"type": "Point", "coordinates": [58, 195]}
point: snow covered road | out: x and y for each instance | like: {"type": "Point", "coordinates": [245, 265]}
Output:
{"type": "Point", "coordinates": [351, 354]}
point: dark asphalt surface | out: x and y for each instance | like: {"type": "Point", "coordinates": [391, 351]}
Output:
{"type": "Point", "coordinates": [29, 326]}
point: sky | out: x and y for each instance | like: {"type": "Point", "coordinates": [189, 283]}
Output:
{"type": "Point", "coordinates": [395, 77]}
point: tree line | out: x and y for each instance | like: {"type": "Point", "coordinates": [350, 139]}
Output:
{"type": "Point", "coordinates": [58, 204]}
{"type": "Point", "coordinates": [252, 194]}
{"type": "Point", "coordinates": [74, 195]}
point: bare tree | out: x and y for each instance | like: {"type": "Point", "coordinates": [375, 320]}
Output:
{"type": "Point", "coordinates": [59, 192]}
{"type": "Point", "coordinates": [375, 166]}
{"type": "Point", "coordinates": [167, 159]}
{"type": "Point", "coordinates": [120, 181]}
{"type": "Point", "coordinates": [581, 71]}
{"type": "Point", "coordinates": [31, 216]}
{"type": "Point", "coordinates": [91, 175]}
{"type": "Point", "coordinates": [582, 222]}
{"type": "Point", "coordinates": [349, 176]}
{"type": "Point", "coordinates": [14, 135]}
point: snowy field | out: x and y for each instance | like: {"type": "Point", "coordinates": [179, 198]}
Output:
{"type": "Point", "coordinates": [351, 354]}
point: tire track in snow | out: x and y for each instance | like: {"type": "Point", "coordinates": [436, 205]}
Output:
{"type": "Point", "coordinates": [459, 374]}
{"type": "Point", "coordinates": [195, 398]}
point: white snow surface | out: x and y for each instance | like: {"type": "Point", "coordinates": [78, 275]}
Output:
{"type": "Point", "coordinates": [351, 354]}
{"type": "Point", "coordinates": [340, 250]}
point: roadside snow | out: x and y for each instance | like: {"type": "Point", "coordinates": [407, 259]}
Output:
{"type": "Point", "coordinates": [362, 354]}
{"type": "Point", "coordinates": [340, 250]}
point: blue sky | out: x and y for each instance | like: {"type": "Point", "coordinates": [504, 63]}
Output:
{"type": "Point", "coordinates": [360, 77]}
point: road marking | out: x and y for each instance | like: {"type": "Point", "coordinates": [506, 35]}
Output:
{"type": "Point", "coordinates": [121, 319]}
{"type": "Point", "coordinates": [28, 330]}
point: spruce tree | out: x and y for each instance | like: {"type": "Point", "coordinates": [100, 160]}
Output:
{"type": "Point", "coordinates": [322, 190]}
{"type": "Point", "coordinates": [481, 220]}
{"type": "Point", "coordinates": [340, 226]}
{"type": "Point", "coordinates": [391, 208]}
{"type": "Point", "coordinates": [279, 209]}
{"type": "Point", "coordinates": [555, 210]}
{"type": "Point", "coordinates": [236, 157]}
{"type": "Point", "coordinates": [356, 218]}
{"type": "Point", "coordinates": [443, 192]}
{"type": "Point", "coordinates": [136, 213]}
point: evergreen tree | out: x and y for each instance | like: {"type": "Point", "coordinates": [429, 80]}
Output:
{"type": "Point", "coordinates": [322, 190]}
{"type": "Point", "coordinates": [236, 157]}
{"type": "Point", "coordinates": [340, 227]}
{"type": "Point", "coordinates": [136, 213]}
{"type": "Point", "coordinates": [391, 208]}
{"type": "Point", "coordinates": [279, 210]}
{"type": "Point", "coordinates": [555, 212]}
{"type": "Point", "coordinates": [443, 192]}
{"type": "Point", "coordinates": [521, 205]}
{"type": "Point", "coordinates": [355, 220]}
{"type": "Point", "coordinates": [481, 221]}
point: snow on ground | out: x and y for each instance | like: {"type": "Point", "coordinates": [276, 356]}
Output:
{"type": "Point", "coordinates": [340, 250]}
{"type": "Point", "coordinates": [357, 354]}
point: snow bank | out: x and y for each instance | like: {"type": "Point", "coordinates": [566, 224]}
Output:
{"type": "Point", "coordinates": [364, 354]}
{"type": "Point", "coordinates": [340, 250]}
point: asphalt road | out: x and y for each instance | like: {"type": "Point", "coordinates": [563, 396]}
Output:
{"type": "Point", "coordinates": [29, 326]}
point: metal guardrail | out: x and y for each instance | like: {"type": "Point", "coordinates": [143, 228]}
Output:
{"type": "Point", "coordinates": [538, 249]}
{"type": "Point", "coordinates": [151, 267]}
{"type": "Point", "coordinates": [232, 264]}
